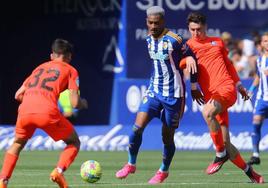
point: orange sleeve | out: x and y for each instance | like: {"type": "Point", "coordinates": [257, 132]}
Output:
{"type": "Point", "coordinates": [182, 63]}
{"type": "Point", "coordinates": [232, 70]}
{"type": "Point", "coordinates": [73, 80]}
{"type": "Point", "coordinates": [229, 65]}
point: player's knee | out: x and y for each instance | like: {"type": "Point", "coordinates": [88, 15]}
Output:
{"type": "Point", "coordinates": [77, 143]}
{"type": "Point", "coordinates": [257, 120]}
{"type": "Point", "coordinates": [168, 138]}
{"type": "Point", "coordinates": [17, 146]}
{"type": "Point", "coordinates": [208, 114]}
{"type": "Point", "coordinates": [226, 143]}
{"type": "Point", "coordinates": [20, 143]}
{"type": "Point", "coordinates": [73, 140]}
{"type": "Point", "coordinates": [137, 129]}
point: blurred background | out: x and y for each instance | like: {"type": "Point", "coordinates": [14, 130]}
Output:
{"type": "Point", "coordinates": [112, 59]}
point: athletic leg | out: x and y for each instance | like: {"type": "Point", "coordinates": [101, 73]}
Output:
{"type": "Point", "coordinates": [168, 153]}
{"type": "Point", "coordinates": [62, 129]}
{"type": "Point", "coordinates": [237, 159]}
{"type": "Point", "coordinates": [256, 137]}
{"type": "Point", "coordinates": [171, 116]}
{"type": "Point", "coordinates": [149, 109]}
{"type": "Point", "coordinates": [11, 157]}
{"type": "Point", "coordinates": [210, 110]}
{"type": "Point", "coordinates": [135, 140]}
{"type": "Point", "coordinates": [24, 130]}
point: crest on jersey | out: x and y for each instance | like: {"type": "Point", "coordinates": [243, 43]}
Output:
{"type": "Point", "coordinates": [213, 43]}
{"type": "Point", "coordinates": [149, 45]}
{"type": "Point", "coordinates": [145, 100]}
{"type": "Point", "coordinates": [165, 45]}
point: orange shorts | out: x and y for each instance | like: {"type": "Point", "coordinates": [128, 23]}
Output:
{"type": "Point", "coordinates": [56, 126]}
{"type": "Point", "coordinates": [226, 96]}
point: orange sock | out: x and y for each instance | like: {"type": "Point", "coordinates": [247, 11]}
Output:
{"type": "Point", "coordinates": [67, 157]}
{"type": "Point", "coordinates": [239, 162]}
{"type": "Point", "coordinates": [9, 164]}
{"type": "Point", "coordinates": [218, 140]}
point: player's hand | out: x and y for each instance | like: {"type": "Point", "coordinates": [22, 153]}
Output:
{"type": "Point", "coordinates": [84, 103]}
{"type": "Point", "coordinates": [20, 93]}
{"type": "Point", "coordinates": [198, 96]}
{"type": "Point", "coordinates": [265, 72]}
{"type": "Point", "coordinates": [19, 97]}
{"type": "Point", "coordinates": [191, 65]}
{"type": "Point", "coordinates": [250, 94]}
{"type": "Point", "coordinates": [243, 92]}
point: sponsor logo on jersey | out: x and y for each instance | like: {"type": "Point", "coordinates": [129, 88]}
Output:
{"type": "Point", "coordinates": [165, 45]}
{"type": "Point", "coordinates": [158, 56]}
{"type": "Point", "coordinates": [145, 100]}
{"type": "Point", "coordinates": [213, 43]}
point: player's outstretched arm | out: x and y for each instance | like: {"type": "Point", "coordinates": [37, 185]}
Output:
{"type": "Point", "coordinates": [254, 85]}
{"type": "Point", "coordinates": [77, 101]}
{"type": "Point", "coordinates": [20, 92]}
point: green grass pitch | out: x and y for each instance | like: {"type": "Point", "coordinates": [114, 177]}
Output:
{"type": "Point", "coordinates": [187, 170]}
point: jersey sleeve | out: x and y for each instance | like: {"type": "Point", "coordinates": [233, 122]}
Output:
{"type": "Point", "coordinates": [176, 40]}
{"type": "Point", "coordinates": [73, 80]}
{"type": "Point", "coordinates": [229, 64]}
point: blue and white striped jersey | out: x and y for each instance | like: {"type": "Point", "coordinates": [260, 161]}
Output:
{"type": "Point", "coordinates": [166, 52]}
{"type": "Point", "coordinates": [262, 67]}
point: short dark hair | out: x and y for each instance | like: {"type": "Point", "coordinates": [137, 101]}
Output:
{"type": "Point", "coordinates": [265, 34]}
{"type": "Point", "coordinates": [196, 17]}
{"type": "Point", "coordinates": [61, 46]}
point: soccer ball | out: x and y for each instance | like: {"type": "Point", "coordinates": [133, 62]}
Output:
{"type": "Point", "coordinates": [90, 171]}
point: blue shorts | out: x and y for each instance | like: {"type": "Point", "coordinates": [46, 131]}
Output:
{"type": "Point", "coordinates": [169, 110]}
{"type": "Point", "coordinates": [261, 108]}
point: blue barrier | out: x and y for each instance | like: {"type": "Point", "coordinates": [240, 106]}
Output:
{"type": "Point", "coordinates": [115, 138]}
{"type": "Point", "coordinates": [129, 93]}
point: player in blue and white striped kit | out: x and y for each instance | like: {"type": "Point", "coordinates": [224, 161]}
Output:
{"type": "Point", "coordinates": [261, 104]}
{"type": "Point", "coordinates": [165, 97]}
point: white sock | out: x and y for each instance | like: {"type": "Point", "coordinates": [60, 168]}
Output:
{"type": "Point", "coordinates": [246, 169]}
{"type": "Point", "coordinates": [221, 154]}
{"type": "Point", "coordinates": [131, 164]}
{"type": "Point", "coordinates": [59, 170]}
{"type": "Point", "coordinates": [162, 171]}
{"type": "Point", "coordinates": [255, 154]}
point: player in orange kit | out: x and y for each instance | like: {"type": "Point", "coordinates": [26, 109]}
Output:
{"type": "Point", "coordinates": [219, 83]}
{"type": "Point", "coordinates": [38, 109]}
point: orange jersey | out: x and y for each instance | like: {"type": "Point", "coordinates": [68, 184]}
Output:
{"type": "Point", "coordinates": [45, 84]}
{"type": "Point", "coordinates": [214, 67]}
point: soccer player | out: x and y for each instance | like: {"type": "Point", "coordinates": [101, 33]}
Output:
{"type": "Point", "coordinates": [261, 104]}
{"type": "Point", "coordinates": [219, 84]}
{"type": "Point", "coordinates": [38, 109]}
{"type": "Point", "coordinates": [165, 97]}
